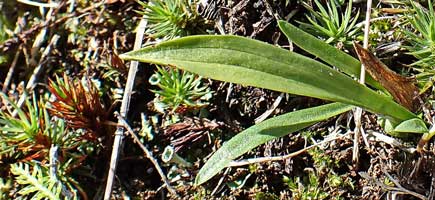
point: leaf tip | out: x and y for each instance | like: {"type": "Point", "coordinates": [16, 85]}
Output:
{"type": "Point", "coordinates": [124, 56]}
{"type": "Point", "coordinates": [281, 23]}
{"type": "Point", "coordinates": [198, 180]}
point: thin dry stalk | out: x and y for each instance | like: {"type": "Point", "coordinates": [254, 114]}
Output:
{"type": "Point", "coordinates": [148, 154]}
{"type": "Point", "coordinates": [358, 111]}
{"type": "Point", "coordinates": [22, 36]}
{"type": "Point", "coordinates": [395, 190]}
{"type": "Point", "coordinates": [37, 4]}
{"type": "Point", "coordinates": [379, 137]}
{"type": "Point", "coordinates": [11, 70]}
{"type": "Point", "coordinates": [284, 157]}
{"type": "Point", "coordinates": [36, 72]}
{"type": "Point", "coordinates": [119, 134]}
{"type": "Point", "coordinates": [221, 180]}
{"type": "Point", "coordinates": [270, 110]}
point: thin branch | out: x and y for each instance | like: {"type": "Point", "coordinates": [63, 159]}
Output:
{"type": "Point", "coordinates": [284, 157]}
{"type": "Point", "coordinates": [268, 112]}
{"type": "Point", "coordinates": [148, 154]}
{"type": "Point", "coordinates": [53, 167]}
{"type": "Point", "coordinates": [53, 161]}
{"type": "Point", "coordinates": [366, 35]}
{"type": "Point", "coordinates": [25, 34]}
{"type": "Point", "coordinates": [38, 42]}
{"type": "Point", "coordinates": [38, 4]}
{"type": "Point", "coordinates": [221, 180]}
{"type": "Point", "coordinates": [11, 70]}
{"type": "Point", "coordinates": [376, 136]}
{"type": "Point", "coordinates": [32, 81]}
{"type": "Point", "coordinates": [400, 188]}
{"type": "Point", "coordinates": [358, 111]}
{"type": "Point", "coordinates": [396, 189]}
{"type": "Point", "coordinates": [124, 109]}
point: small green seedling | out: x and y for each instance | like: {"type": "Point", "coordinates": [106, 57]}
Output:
{"type": "Point", "coordinates": [172, 18]}
{"type": "Point", "coordinates": [328, 24]}
{"type": "Point", "coordinates": [179, 90]}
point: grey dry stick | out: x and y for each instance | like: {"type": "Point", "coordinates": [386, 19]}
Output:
{"type": "Point", "coordinates": [124, 109]}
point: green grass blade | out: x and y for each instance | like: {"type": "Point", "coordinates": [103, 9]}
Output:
{"type": "Point", "coordinates": [261, 133]}
{"type": "Point", "coordinates": [250, 62]}
{"type": "Point", "coordinates": [326, 52]}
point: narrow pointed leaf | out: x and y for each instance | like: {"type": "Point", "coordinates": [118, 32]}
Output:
{"type": "Point", "coordinates": [254, 63]}
{"type": "Point", "coordinates": [261, 133]}
{"type": "Point", "coordinates": [326, 52]}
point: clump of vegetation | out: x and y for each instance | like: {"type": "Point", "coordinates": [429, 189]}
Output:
{"type": "Point", "coordinates": [56, 145]}
{"type": "Point", "coordinates": [422, 39]}
{"type": "Point", "coordinates": [36, 182]}
{"type": "Point", "coordinates": [26, 143]}
{"type": "Point", "coordinates": [320, 181]}
{"type": "Point", "coordinates": [422, 42]}
{"type": "Point", "coordinates": [330, 24]}
{"type": "Point", "coordinates": [179, 90]}
{"type": "Point", "coordinates": [79, 105]}
{"type": "Point", "coordinates": [28, 134]}
{"type": "Point", "coordinates": [308, 188]}
{"type": "Point", "coordinates": [172, 18]}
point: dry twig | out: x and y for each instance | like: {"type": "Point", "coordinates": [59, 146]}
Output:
{"type": "Point", "coordinates": [11, 70]}
{"type": "Point", "coordinates": [23, 36]}
{"type": "Point", "coordinates": [358, 111]}
{"type": "Point", "coordinates": [268, 112]}
{"type": "Point", "coordinates": [36, 72]}
{"type": "Point", "coordinates": [373, 135]}
{"type": "Point", "coordinates": [38, 4]}
{"type": "Point", "coordinates": [148, 154]}
{"type": "Point", "coordinates": [124, 109]}
{"type": "Point", "coordinates": [284, 157]}
{"type": "Point", "coordinates": [397, 189]}
{"type": "Point", "coordinates": [221, 180]}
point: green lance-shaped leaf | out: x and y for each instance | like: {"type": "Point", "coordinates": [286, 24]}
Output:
{"type": "Point", "coordinates": [415, 125]}
{"type": "Point", "coordinates": [254, 63]}
{"type": "Point", "coordinates": [261, 133]}
{"type": "Point", "coordinates": [324, 51]}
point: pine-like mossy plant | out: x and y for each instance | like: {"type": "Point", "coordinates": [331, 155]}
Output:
{"type": "Point", "coordinates": [171, 18]}
{"type": "Point", "coordinates": [331, 25]}
{"type": "Point", "coordinates": [179, 90]}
